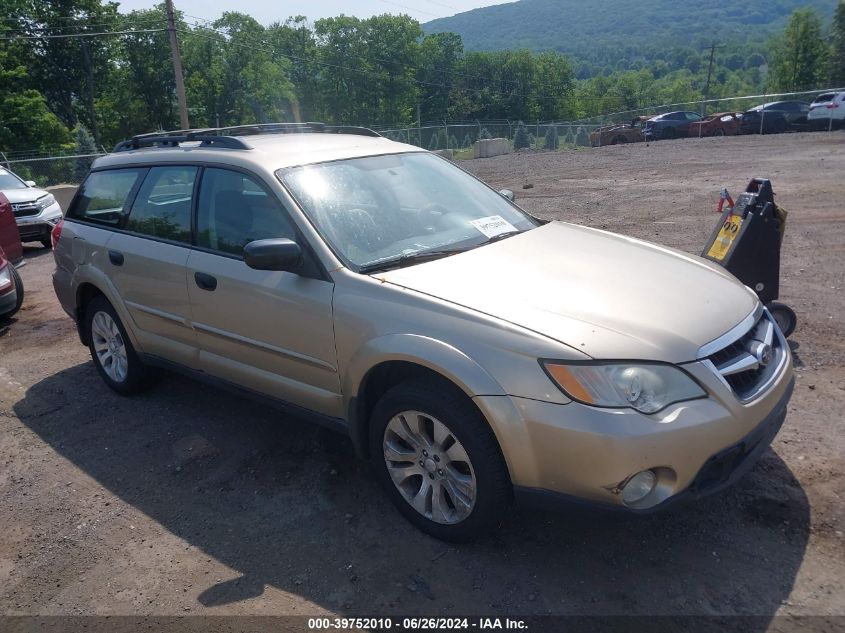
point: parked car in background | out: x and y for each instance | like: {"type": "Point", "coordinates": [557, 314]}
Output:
{"type": "Point", "coordinates": [669, 125]}
{"type": "Point", "coordinates": [36, 211]}
{"type": "Point", "coordinates": [720, 124]}
{"type": "Point", "coordinates": [11, 253]}
{"type": "Point", "coordinates": [472, 351]}
{"type": "Point", "coordinates": [828, 110]}
{"type": "Point", "coordinates": [775, 117]}
{"type": "Point", "coordinates": [619, 133]}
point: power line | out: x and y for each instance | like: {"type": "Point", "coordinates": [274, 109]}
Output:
{"type": "Point", "coordinates": [74, 35]}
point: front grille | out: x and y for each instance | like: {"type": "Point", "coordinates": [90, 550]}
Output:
{"type": "Point", "coordinates": [25, 209]}
{"type": "Point", "coordinates": [749, 364]}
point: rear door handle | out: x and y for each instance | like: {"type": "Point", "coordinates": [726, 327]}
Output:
{"type": "Point", "coordinates": [116, 258]}
{"type": "Point", "coordinates": [205, 281]}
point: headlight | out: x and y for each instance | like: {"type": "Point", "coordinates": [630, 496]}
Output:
{"type": "Point", "coordinates": [5, 277]}
{"type": "Point", "coordinates": [46, 201]}
{"type": "Point", "coordinates": [646, 387]}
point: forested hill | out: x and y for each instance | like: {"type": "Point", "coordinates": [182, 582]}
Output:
{"type": "Point", "coordinates": [603, 32]}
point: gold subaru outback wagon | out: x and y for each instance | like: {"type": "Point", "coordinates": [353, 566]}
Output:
{"type": "Point", "coordinates": [472, 352]}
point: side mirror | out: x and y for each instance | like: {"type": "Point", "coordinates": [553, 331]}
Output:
{"type": "Point", "coordinates": [507, 193]}
{"type": "Point", "coordinates": [29, 183]}
{"type": "Point", "coordinates": [273, 254]}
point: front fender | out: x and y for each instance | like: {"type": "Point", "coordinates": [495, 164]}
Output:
{"type": "Point", "coordinates": [440, 357]}
{"type": "Point", "coordinates": [464, 372]}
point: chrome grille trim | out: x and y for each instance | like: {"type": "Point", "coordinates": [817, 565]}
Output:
{"type": "Point", "coordinates": [732, 335]}
{"type": "Point", "coordinates": [751, 362]}
{"type": "Point", "coordinates": [25, 209]}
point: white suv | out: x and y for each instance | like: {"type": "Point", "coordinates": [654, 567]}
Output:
{"type": "Point", "coordinates": [36, 211]}
{"type": "Point", "coordinates": [828, 110]}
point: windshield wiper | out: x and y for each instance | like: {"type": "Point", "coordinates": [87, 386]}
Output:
{"type": "Point", "coordinates": [408, 259]}
{"type": "Point", "coordinates": [500, 236]}
{"type": "Point", "coordinates": [424, 256]}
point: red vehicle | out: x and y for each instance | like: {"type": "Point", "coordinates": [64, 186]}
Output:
{"type": "Point", "coordinates": [11, 253]}
{"type": "Point", "coordinates": [719, 124]}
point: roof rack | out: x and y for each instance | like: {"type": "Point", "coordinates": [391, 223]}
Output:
{"type": "Point", "coordinates": [173, 140]}
{"type": "Point", "coordinates": [227, 137]}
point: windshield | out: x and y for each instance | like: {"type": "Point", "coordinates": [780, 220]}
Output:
{"type": "Point", "coordinates": [381, 209]}
{"type": "Point", "coordinates": [9, 181]}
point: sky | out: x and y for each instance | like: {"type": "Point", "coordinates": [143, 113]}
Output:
{"type": "Point", "coordinates": [269, 11]}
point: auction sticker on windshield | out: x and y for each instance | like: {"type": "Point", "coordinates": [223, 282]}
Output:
{"type": "Point", "coordinates": [493, 225]}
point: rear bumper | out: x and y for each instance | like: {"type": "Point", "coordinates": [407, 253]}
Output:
{"type": "Point", "coordinates": [719, 471]}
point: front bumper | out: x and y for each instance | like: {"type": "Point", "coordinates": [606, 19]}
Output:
{"type": "Point", "coordinates": [577, 452]}
{"type": "Point", "coordinates": [8, 300]}
{"type": "Point", "coordinates": [34, 228]}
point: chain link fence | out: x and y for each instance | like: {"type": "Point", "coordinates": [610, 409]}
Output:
{"type": "Point", "coordinates": [618, 127]}
{"type": "Point", "coordinates": [459, 136]}
{"type": "Point", "coordinates": [47, 171]}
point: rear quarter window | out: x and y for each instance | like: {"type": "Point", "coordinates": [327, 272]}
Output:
{"type": "Point", "coordinates": [104, 197]}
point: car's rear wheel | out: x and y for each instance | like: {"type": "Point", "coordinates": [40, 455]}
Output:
{"type": "Point", "coordinates": [439, 461]}
{"type": "Point", "coordinates": [16, 278]}
{"type": "Point", "coordinates": [111, 350]}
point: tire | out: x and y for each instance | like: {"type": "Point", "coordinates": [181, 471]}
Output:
{"type": "Point", "coordinates": [16, 277]}
{"type": "Point", "coordinates": [784, 316]}
{"type": "Point", "coordinates": [668, 134]}
{"type": "Point", "coordinates": [429, 427]}
{"type": "Point", "coordinates": [111, 350]}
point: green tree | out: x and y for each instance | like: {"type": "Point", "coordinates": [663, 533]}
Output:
{"type": "Point", "coordinates": [837, 58]}
{"type": "Point", "coordinates": [26, 123]}
{"type": "Point", "coordinates": [296, 42]}
{"type": "Point", "coordinates": [800, 55]}
{"type": "Point", "coordinates": [520, 137]}
{"type": "Point", "coordinates": [69, 72]}
{"type": "Point", "coordinates": [85, 145]}
{"type": "Point", "coordinates": [551, 140]}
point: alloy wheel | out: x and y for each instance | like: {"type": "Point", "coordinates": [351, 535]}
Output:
{"type": "Point", "coordinates": [109, 346]}
{"type": "Point", "coordinates": [429, 467]}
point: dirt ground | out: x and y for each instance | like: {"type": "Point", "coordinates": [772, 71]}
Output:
{"type": "Point", "coordinates": [186, 500]}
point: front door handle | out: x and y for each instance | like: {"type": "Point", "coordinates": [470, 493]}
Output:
{"type": "Point", "coordinates": [116, 258]}
{"type": "Point", "coordinates": [205, 281]}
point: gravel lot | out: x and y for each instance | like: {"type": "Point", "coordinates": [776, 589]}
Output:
{"type": "Point", "coordinates": [186, 500]}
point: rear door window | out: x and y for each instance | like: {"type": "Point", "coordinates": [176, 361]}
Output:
{"type": "Point", "coordinates": [162, 208]}
{"type": "Point", "coordinates": [105, 196]}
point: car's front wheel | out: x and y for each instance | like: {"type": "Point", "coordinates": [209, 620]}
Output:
{"type": "Point", "coordinates": [16, 277]}
{"type": "Point", "coordinates": [439, 460]}
{"type": "Point", "coordinates": [111, 350]}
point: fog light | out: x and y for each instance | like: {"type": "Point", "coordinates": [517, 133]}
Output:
{"type": "Point", "coordinates": [638, 487]}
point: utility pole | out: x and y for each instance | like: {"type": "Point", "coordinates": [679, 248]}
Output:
{"type": "Point", "coordinates": [713, 48]}
{"type": "Point", "coordinates": [177, 67]}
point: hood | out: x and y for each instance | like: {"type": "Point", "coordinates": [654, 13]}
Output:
{"type": "Point", "coordinates": [606, 295]}
{"type": "Point", "coordinates": [27, 194]}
